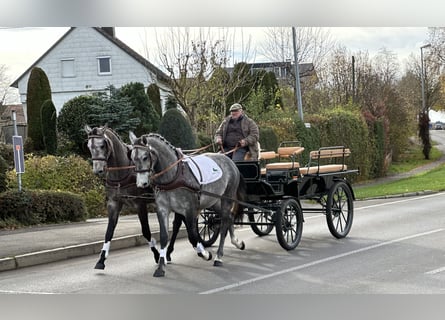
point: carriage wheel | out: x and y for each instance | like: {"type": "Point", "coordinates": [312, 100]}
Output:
{"type": "Point", "coordinates": [289, 224]}
{"type": "Point", "coordinates": [257, 218]}
{"type": "Point", "coordinates": [339, 209]}
{"type": "Point", "coordinates": [208, 224]}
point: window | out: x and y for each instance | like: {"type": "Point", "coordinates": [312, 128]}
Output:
{"type": "Point", "coordinates": [103, 65]}
{"type": "Point", "coordinates": [68, 68]}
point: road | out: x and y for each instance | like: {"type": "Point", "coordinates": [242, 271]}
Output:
{"type": "Point", "coordinates": [395, 246]}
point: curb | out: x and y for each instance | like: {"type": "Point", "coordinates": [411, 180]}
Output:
{"type": "Point", "coordinates": [402, 195]}
{"type": "Point", "coordinates": [74, 251]}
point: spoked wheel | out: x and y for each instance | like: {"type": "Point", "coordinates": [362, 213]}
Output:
{"type": "Point", "coordinates": [262, 222]}
{"type": "Point", "coordinates": [208, 224]}
{"type": "Point", "coordinates": [339, 209]}
{"type": "Point", "coordinates": [289, 224]}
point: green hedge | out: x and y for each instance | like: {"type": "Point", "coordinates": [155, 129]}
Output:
{"type": "Point", "coordinates": [71, 174]}
{"type": "Point", "coordinates": [40, 207]}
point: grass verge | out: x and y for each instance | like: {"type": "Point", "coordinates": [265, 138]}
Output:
{"type": "Point", "coordinates": [433, 180]}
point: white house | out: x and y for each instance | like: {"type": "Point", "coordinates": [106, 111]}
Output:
{"type": "Point", "coordinates": [89, 59]}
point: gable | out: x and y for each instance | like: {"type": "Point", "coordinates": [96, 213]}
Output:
{"type": "Point", "coordinates": [72, 66]}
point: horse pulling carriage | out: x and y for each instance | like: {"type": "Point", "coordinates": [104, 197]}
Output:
{"type": "Point", "coordinates": [269, 196]}
{"type": "Point", "coordinates": [275, 193]}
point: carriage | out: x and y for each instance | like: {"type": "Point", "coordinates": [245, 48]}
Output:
{"type": "Point", "coordinates": [277, 190]}
{"type": "Point", "coordinates": [269, 195]}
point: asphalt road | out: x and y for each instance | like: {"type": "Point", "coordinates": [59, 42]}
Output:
{"type": "Point", "coordinates": [395, 246]}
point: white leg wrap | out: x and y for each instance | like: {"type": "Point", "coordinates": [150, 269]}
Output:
{"type": "Point", "coordinates": [152, 243]}
{"type": "Point", "coordinates": [106, 248]}
{"type": "Point", "coordinates": [200, 248]}
{"type": "Point", "coordinates": [162, 253]}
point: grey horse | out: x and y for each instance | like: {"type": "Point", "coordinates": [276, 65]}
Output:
{"type": "Point", "coordinates": [177, 189]}
{"type": "Point", "coordinates": [110, 156]}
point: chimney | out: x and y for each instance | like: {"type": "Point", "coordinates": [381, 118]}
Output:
{"type": "Point", "coordinates": [109, 31]}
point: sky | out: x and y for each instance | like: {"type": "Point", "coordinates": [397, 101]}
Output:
{"type": "Point", "coordinates": [21, 47]}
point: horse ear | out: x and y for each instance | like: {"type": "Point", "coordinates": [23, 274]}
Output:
{"type": "Point", "coordinates": [87, 129]}
{"type": "Point", "coordinates": [133, 137]}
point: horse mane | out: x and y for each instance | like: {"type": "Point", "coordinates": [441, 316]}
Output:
{"type": "Point", "coordinates": [158, 136]}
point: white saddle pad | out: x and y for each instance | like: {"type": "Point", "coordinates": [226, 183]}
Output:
{"type": "Point", "coordinates": [205, 169]}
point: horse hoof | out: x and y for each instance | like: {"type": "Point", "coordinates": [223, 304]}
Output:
{"type": "Point", "coordinates": [202, 256]}
{"type": "Point", "coordinates": [243, 246]}
{"type": "Point", "coordinates": [169, 260]}
{"type": "Point", "coordinates": [217, 263]}
{"type": "Point", "coordinates": [100, 266]}
{"type": "Point", "coordinates": [159, 273]}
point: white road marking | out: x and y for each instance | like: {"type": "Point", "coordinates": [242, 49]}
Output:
{"type": "Point", "coordinates": [317, 262]}
{"type": "Point", "coordinates": [435, 271]}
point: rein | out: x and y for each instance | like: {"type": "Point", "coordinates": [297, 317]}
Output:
{"type": "Point", "coordinates": [194, 151]}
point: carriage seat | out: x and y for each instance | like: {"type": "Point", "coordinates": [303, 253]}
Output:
{"type": "Point", "coordinates": [328, 154]}
{"type": "Point", "coordinates": [285, 153]}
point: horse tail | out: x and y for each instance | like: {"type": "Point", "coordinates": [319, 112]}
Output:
{"type": "Point", "coordinates": [241, 196]}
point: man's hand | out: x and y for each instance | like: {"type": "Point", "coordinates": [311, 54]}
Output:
{"type": "Point", "coordinates": [218, 140]}
{"type": "Point", "coordinates": [243, 143]}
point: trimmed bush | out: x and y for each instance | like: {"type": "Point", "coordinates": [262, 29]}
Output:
{"type": "Point", "coordinates": [49, 126]}
{"type": "Point", "coordinates": [3, 169]}
{"type": "Point", "coordinates": [177, 129]}
{"type": "Point", "coordinates": [27, 208]}
{"type": "Point", "coordinates": [71, 174]}
{"type": "Point", "coordinates": [38, 91]}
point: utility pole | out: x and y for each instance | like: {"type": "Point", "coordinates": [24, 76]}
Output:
{"type": "Point", "coordinates": [297, 76]}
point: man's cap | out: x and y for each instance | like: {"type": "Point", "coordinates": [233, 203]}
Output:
{"type": "Point", "coordinates": [236, 106]}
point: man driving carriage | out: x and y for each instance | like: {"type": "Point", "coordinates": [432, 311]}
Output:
{"type": "Point", "coordinates": [238, 131]}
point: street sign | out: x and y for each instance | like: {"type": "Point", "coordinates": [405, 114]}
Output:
{"type": "Point", "coordinates": [19, 159]}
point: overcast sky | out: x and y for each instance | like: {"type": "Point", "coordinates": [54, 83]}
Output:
{"type": "Point", "coordinates": [21, 47]}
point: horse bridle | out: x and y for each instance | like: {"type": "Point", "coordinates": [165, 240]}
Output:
{"type": "Point", "coordinates": [105, 159]}
{"type": "Point", "coordinates": [151, 170]}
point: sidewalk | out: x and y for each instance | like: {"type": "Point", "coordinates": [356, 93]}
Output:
{"type": "Point", "coordinates": [44, 244]}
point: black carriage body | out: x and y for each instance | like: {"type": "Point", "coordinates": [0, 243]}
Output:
{"type": "Point", "coordinates": [277, 184]}
{"type": "Point", "coordinates": [273, 199]}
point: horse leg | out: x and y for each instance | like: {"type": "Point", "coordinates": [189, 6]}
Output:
{"type": "Point", "coordinates": [176, 225]}
{"type": "Point", "coordinates": [143, 219]}
{"type": "Point", "coordinates": [192, 232]}
{"type": "Point", "coordinates": [223, 233]}
{"type": "Point", "coordinates": [234, 239]}
{"type": "Point", "coordinates": [163, 238]}
{"type": "Point", "coordinates": [113, 215]}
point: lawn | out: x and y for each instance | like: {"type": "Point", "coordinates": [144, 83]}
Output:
{"type": "Point", "coordinates": [433, 180]}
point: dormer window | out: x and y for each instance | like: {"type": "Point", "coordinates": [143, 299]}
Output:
{"type": "Point", "coordinates": [104, 65]}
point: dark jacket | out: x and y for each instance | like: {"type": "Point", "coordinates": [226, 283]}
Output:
{"type": "Point", "coordinates": [250, 130]}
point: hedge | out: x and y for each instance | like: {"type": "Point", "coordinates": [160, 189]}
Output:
{"type": "Point", "coordinates": [25, 208]}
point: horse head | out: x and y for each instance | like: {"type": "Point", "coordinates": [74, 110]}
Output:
{"type": "Point", "coordinates": [144, 158]}
{"type": "Point", "coordinates": [100, 148]}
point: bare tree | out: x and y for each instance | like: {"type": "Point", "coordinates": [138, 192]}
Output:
{"type": "Point", "coordinates": [191, 56]}
{"type": "Point", "coordinates": [7, 94]}
{"type": "Point", "coordinates": [313, 45]}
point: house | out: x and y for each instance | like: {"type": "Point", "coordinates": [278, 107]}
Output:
{"type": "Point", "coordinates": [7, 123]}
{"type": "Point", "coordinates": [284, 71]}
{"type": "Point", "coordinates": [86, 60]}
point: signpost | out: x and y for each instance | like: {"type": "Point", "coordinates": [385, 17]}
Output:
{"type": "Point", "coordinates": [19, 159]}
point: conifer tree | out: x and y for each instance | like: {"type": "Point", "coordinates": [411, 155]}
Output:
{"type": "Point", "coordinates": [49, 126]}
{"type": "Point", "coordinates": [176, 128]}
{"type": "Point", "coordinates": [38, 92]}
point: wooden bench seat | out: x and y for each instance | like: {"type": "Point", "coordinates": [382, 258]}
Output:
{"type": "Point", "coordinates": [282, 153]}
{"type": "Point", "coordinates": [314, 166]}
{"type": "Point", "coordinates": [268, 155]}
{"type": "Point", "coordinates": [327, 168]}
